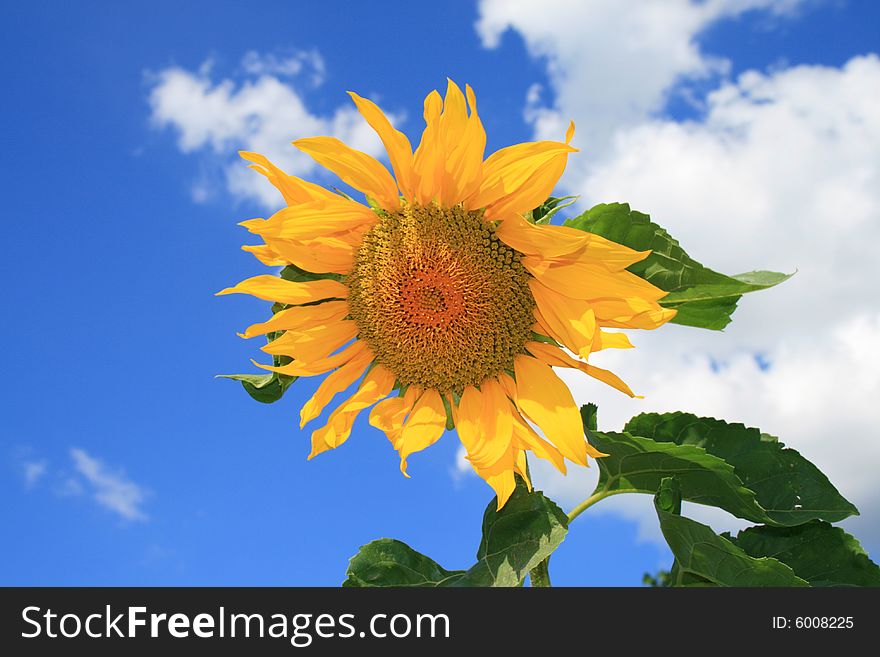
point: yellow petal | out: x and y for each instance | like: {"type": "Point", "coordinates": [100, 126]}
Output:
{"type": "Point", "coordinates": [532, 239]}
{"type": "Point", "coordinates": [564, 244]}
{"type": "Point", "coordinates": [512, 177]}
{"type": "Point", "coordinates": [500, 477]}
{"type": "Point", "coordinates": [607, 377]}
{"type": "Point", "coordinates": [297, 368]}
{"type": "Point", "coordinates": [354, 167]}
{"type": "Point", "coordinates": [389, 414]}
{"type": "Point", "coordinates": [556, 357]}
{"type": "Point", "coordinates": [300, 318]}
{"type": "Point", "coordinates": [532, 192]}
{"type": "Point", "coordinates": [376, 385]}
{"type": "Point", "coordinates": [504, 484]}
{"type": "Point", "coordinates": [630, 312]}
{"type": "Point", "coordinates": [315, 219]}
{"type": "Point", "coordinates": [427, 160]}
{"type": "Point", "coordinates": [424, 426]}
{"type": "Point", "coordinates": [521, 467]}
{"type": "Point", "coordinates": [332, 254]}
{"type": "Point", "coordinates": [337, 381]}
{"type": "Point", "coordinates": [607, 340]}
{"type": "Point", "coordinates": [265, 254]}
{"type": "Point", "coordinates": [497, 412]}
{"type": "Point", "coordinates": [508, 384]}
{"type": "Point", "coordinates": [313, 344]}
{"type": "Point", "coordinates": [396, 143]}
{"type": "Point", "coordinates": [293, 189]}
{"type": "Point", "coordinates": [461, 142]}
{"type": "Point", "coordinates": [483, 430]}
{"type": "Point", "coordinates": [454, 117]}
{"type": "Point", "coordinates": [464, 160]}
{"type": "Point", "coordinates": [528, 438]}
{"type": "Point", "coordinates": [571, 321]}
{"type": "Point", "coordinates": [274, 288]}
{"type": "Point", "coordinates": [450, 128]}
{"type": "Point", "coordinates": [545, 400]}
{"type": "Point", "coordinates": [586, 280]}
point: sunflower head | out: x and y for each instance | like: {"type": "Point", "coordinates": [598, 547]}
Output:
{"type": "Point", "coordinates": [439, 297]}
{"type": "Point", "coordinates": [440, 300]}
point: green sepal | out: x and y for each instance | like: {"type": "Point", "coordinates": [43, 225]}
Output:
{"type": "Point", "coordinates": [265, 388]}
{"type": "Point", "coordinates": [544, 212]}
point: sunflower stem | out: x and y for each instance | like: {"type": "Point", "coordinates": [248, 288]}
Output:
{"type": "Point", "coordinates": [539, 576]}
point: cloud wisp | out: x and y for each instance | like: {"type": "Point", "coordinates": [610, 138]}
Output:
{"type": "Point", "coordinates": [110, 487]}
{"type": "Point", "coordinates": [33, 471]}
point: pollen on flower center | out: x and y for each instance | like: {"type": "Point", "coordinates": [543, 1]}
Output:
{"type": "Point", "coordinates": [442, 302]}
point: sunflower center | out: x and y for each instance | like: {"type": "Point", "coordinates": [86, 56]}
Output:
{"type": "Point", "coordinates": [442, 302]}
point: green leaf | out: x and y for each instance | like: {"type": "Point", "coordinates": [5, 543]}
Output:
{"type": "Point", "coordinates": [637, 465]}
{"type": "Point", "coordinates": [818, 552]}
{"type": "Point", "coordinates": [265, 388]}
{"type": "Point", "coordinates": [590, 416]}
{"type": "Point", "coordinates": [704, 558]}
{"type": "Point", "coordinates": [515, 540]}
{"type": "Point", "coordinates": [704, 298]}
{"type": "Point", "coordinates": [788, 488]}
{"type": "Point", "coordinates": [387, 562]}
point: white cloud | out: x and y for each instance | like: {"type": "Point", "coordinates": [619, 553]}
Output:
{"type": "Point", "coordinates": [611, 64]}
{"type": "Point", "coordinates": [69, 487]}
{"type": "Point", "coordinates": [110, 487]}
{"type": "Point", "coordinates": [261, 113]}
{"type": "Point", "coordinates": [292, 65]}
{"type": "Point", "coordinates": [33, 471]}
{"type": "Point", "coordinates": [781, 172]}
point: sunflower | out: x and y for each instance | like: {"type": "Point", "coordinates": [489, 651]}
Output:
{"type": "Point", "coordinates": [440, 297]}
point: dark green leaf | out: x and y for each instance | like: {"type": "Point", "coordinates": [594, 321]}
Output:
{"type": "Point", "coordinates": [265, 388]}
{"type": "Point", "coordinates": [637, 465]}
{"type": "Point", "coordinates": [387, 562]}
{"type": "Point", "coordinates": [515, 540]}
{"type": "Point", "coordinates": [704, 558]}
{"type": "Point", "coordinates": [590, 416]}
{"type": "Point", "coordinates": [818, 552]}
{"type": "Point", "coordinates": [789, 489]}
{"type": "Point", "coordinates": [704, 298]}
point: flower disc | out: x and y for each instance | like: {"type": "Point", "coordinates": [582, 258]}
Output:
{"type": "Point", "coordinates": [442, 302]}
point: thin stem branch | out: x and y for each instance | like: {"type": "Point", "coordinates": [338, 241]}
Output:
{"type": "Point", "coordinates": [540, 574]}
{"type": "Point", "coordinates": [591, 500]}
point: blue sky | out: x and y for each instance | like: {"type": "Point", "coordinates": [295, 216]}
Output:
{"type": "Point", "coordinates": [123, 460]}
